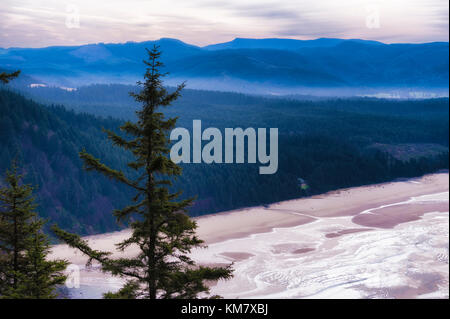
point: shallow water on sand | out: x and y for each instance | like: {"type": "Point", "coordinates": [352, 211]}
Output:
{"type": "Point", "coordinates": [410, 260]}
{"type": "Point", "coordinates": [331, 257]}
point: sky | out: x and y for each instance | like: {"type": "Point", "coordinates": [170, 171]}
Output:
{"type": "Point", "coordinates": [39, 23]}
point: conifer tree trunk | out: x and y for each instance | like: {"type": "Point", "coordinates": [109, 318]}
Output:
{"type": "Point", "coordinates": [15, 249]}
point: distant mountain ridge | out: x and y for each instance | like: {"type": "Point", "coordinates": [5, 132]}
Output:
{"type": "Point", "coordinates": [282, 44]}
{"type": "Point", "coordinates": [268, 63]}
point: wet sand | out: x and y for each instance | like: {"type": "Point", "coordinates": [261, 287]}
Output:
{"type": "Point", "coordinates": [389, 217]}
{"type": "Point", "coordinates": [346, 231]}
{"type": "Point", "coordinates": [311, 228]}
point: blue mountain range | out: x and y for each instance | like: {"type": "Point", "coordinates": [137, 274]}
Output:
{"type": "Point", "coordinates": [321, 63]}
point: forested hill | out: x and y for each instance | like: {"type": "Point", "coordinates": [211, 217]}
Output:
{"type": "Point", "coordinates": [46, 140]}
{"type": "Point", "coordinates": [328, 144]}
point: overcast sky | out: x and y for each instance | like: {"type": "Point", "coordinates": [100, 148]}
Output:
{"type": "Point", "coordinates": [38, 23]}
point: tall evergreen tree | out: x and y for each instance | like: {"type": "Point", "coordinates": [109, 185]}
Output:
{"type": "Point", "coordinates": [161, 229]}
{"type": "Point", "coordinates": [6, 77]}
{"type": "Point", "coordinates": [24, 270]}
{"type": "Point", "coordinates": [42, 275]}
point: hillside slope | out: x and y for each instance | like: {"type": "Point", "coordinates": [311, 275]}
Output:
{"type": "Point", "coordinates": [325, 143]}
{"type": "Point", "coordinates": [46, 141]}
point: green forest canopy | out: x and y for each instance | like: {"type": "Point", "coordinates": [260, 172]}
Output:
{"type": "Point", "coordinates": [328, 143]}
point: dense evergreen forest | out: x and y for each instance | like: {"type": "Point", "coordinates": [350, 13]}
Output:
{"type": "Point", "coordinates": [46, 141]}
{"type": "Point", "coordinates": [329, 144]}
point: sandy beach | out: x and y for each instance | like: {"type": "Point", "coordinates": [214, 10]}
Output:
{"type": "Point", "coordinates": [318, 247]}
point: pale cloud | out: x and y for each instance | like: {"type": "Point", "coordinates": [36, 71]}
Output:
{"type": "Point", "coordinates": [36, 23]}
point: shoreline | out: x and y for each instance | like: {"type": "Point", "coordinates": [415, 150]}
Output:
{"type": "Point", "coordinates": [289, 216]}
{"type": "Point", "coordinates": [295, 201]}
{"type": "Point", "coordinates": [240, 223]}
{"type": "Point", "coordinates": [320, 223]}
